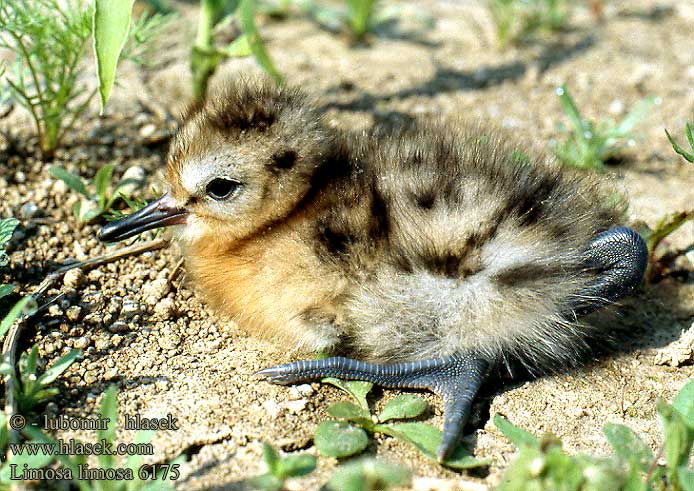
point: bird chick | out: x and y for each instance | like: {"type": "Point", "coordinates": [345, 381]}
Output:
{"type": "Point", "coordinates": [430, 255]}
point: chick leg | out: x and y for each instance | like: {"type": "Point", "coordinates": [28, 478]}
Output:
{"type": "Point", "coordinates": [456, 379]}
{"type": "Point", "coordinates": [621, 256]}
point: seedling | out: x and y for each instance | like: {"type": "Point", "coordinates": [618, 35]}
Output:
{"type": "Point", "coordinates": [96, 199]}
{"type": "Point", "coordinates": [7, 227]}
{"type": "Point", "coordinates": [279, 469]}
{"type": "Point", "coordinates": [520, 20]}
{"type": "Point", "coordinates": [689, 156]}
{"type": "Point", "coordinates": [347, 434]}
{"type": "Point", "coordinates": [136, 476]}
{"type": "Point", "coordinates": [49, 39]}
{"type": "Point", "coordinates": [33, 389]}
{"type": "Point", "coordinates": [369, 474]}
{"type": "Point", "coordinates": [542, 464]}
{"type": "Point", "coordinates": [589, 145]}
{"type": "Point", "coordinates": [358, 16]}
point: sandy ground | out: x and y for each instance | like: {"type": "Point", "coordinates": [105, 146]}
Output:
{"type": "Point", "coordinates": [143, 328]}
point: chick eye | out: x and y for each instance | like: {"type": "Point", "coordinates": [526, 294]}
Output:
{"type": "Point", "coordinates": [221, 188]}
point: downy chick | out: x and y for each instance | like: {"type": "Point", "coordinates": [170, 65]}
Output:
{"type": "Point", "coordinates": [431, 255]}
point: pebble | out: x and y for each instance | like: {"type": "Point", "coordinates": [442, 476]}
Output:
{"type": "Point", "coordinates": [73, 313]}
{"type": "Point", "coordinates": [29, 210]}
{"type": "Point", "coordinates": [272, 408]}
{"type": "Point", "coordinates": [130, 309]}
{"type": "Point", "coordinates": [133, 179]}
{"type": "Point", "coordinates": [81, 342]}
{"type": "Point", "coordinates": [155, 290]}
{"type": "Point", "coordinates": [73, 278]}
{"type": "Point", "coordinates": [165, 309]}
{"type": "Point", "coordinates": [102, 344]}
{"type": "Point", "coordinates": [148, 130]}
{"type": "Point", "coordinates": [296, 406]}
{"type": "Point", "coordinates": [169, 341]}
{"type": "Point", "coordinates": [118, 326]}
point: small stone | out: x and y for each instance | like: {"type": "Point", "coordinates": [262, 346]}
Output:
{"type": "Point", "coordinates": [73, 278]}
{"type": "Point", "coordinates": [616, 107]}
{"type": "Point", "coordinates": [29, 210]}
{"type": "Point", "coordinates": [130, 309]}
{"type": "Point", "coordinates": [133, 179]}
{"type": "Point", "coordinates": [116, 339]}
{"type": "Point", "coordinates": [102, 344]}
{"type": "Point", "coordinates": [165, 309]}
{"type": "Point", "coordinates": [55, 310]}
{"type": "Point", "coordinates": [89, 378]}
{"type": "Point", "coordinates": [111, 374]}
{"type": "Point", "coordinates": [305, 389]}
{"type": "Point", "coordinates": [678, 353]}
{"type": "Point", "coordinates": [155, 290]}
{"type": "Point", "coordinates": [73, 313]}
{"type": "Point", "coordinates": [296, 406]}
{"type": "Point", "coordinates": [272, 408]}
{"type": "Point", "coordinates": [169, 341]}
{"type": "Point", "coordinates": [94, 275]}
{"type": "Point", "coordinates": [81, 343]}
{"type": "Point", "coordinates": [20, 177]}
{"type": "Point", "coordinates": [118, 326]}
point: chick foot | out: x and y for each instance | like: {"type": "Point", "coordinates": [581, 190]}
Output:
{"type": "Point", "coordinates": [456, 379]}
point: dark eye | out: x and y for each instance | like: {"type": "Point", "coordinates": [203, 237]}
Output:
{"type": "Point", "coordinates": [221, 188]}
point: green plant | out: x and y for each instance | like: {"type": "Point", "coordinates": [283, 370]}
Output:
{"type": "Point", "coordinates": [369, 475]}
{"type": "Point", "coordinates": [689, 156]}
{"type": "Point", "coordinates": [519, 20]}
{"type": "Point", "coordinates": [590, 145]}
{"type": "Point", "coordinates": [541, 463]}
{"type": "Point", "coordinates": [98, 202]}
{"type": "Point", "coordinates": [347, 435]}
{"type": "Point", "coordinates": [358, 16]}
{"type": "Point", "coordinates": [7, 227]}
{"type": "Point", "coordinates": [135, 475]}
{"type": "Point", "coordinates": [279, 469]}
{"type": "Point", "coordinates": [33, 389]}
{"type": "Point", "coordinates": [49, 40]}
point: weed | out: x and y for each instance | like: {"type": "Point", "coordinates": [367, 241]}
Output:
{"type": "Point", "coordinates": [347, 435]}
{"type": "Point", "coordinates": [689, 156]}
{"type": "Point", "coordinates": [542, 464]}
{"type": "Point", "coordinates": [519, 20]}
{"type": "Point", "coordinates": [135, 476]}
{"type": "Point", "coordinates": [7, 227]}
{"type": "Point", "coordinates": [369, 475]}
{"type": "Point", "coordinates": [279, 469]}
{"type": "Point", "coordinates": [590, 145]}
{"type": "Point", "coordinates": [359, 17]}
{"type": "Point", "coordinates": [96, 198]}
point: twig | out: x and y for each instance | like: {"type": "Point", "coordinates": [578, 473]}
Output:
{"type": "Point", "coordinates": [9, 348]}
{"type": "Point", "coordinates": [179, 267]}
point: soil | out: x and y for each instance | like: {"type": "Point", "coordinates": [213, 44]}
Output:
{"type": "Point", "coordinates": [143, 328]}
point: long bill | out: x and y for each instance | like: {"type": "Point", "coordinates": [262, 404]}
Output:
{"type": "Point", "coordinates": [158, 213]}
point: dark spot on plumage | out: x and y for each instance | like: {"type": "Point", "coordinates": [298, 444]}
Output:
{"type": "Point", "coordinates": [333, 241]}
{"type": "Point", "coordinates": [445, 264]}
{"type": "Point", "coordinates": [525, 274]}
{"type": "Point", "coordinates": [380, 219]}
{"type": "Point", "coordinates": [284, 160]}
{"type": "Point", "coordinates": [425, 198]}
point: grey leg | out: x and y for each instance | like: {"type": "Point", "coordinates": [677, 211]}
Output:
{"type": "Point", "coordinates": [456, 379]}
{"type": "Point", "coordinates": [620, 256]}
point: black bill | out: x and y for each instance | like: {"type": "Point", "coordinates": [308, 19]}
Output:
{"type": "Point", "coordinates": [159, 213]}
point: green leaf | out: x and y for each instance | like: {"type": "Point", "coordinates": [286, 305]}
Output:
{"type": "Point", "coordinates": [627, 446]}
{"type": "Point", "coordinates": [402, 407]}
{"type": "Point", "coordinates": [28, 364]}
{"type": "Point", "coordinates": [637, 113]}
{"type": "Point", "coordinates": [266, 482]}
{"type": "Point", "coordinates": [350, 412]}
{"type": "Point", "coordinates": [427, 440]}
{"type": "Point", "coordinates": [110, 25]}
{"type": "Point", "coordinates": [297, 465]}
{"type": "Point", "coordinates": [238, 48]}
{"type": "Point", "coordinates": [6, 290]}
{"type": "Point", "coordinates": [339, 439]}
{"type": "Point", "coordinates": [7, 226]}
{"type": "Point", "coordinates": [689, 157]}
{"type": "Point", "coordinates": [255, 42]}
{"type": "Point", "coordinates": [358, 390]}
{"type": "Point", "coordinates": [369, 474]}
{"type": "Point", "coordinates": [108, 409]}
{"type": "Point", "coordinates": [684, 403]}
{"type": "Point", "coordinates": [32, 462]}
{"type": "Point", "coordinates": [678, 438]}
{"type": "Point", "coordinates": [571, 111]}
{"type": "Point", "coordinates": [62, 364]}
{"type": "Point", "coordinates": [72, 181]}
{"type": "Point", "coordinates": [518, 436]}
{"type": "Point", "coordinates": [14, 313]}
{"type": "Point", "coordinates": [271, 459]}
{"type": "Point", "coordinates": [686, 478]}
{"type": "Point", "coordinates": [102, 180]}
